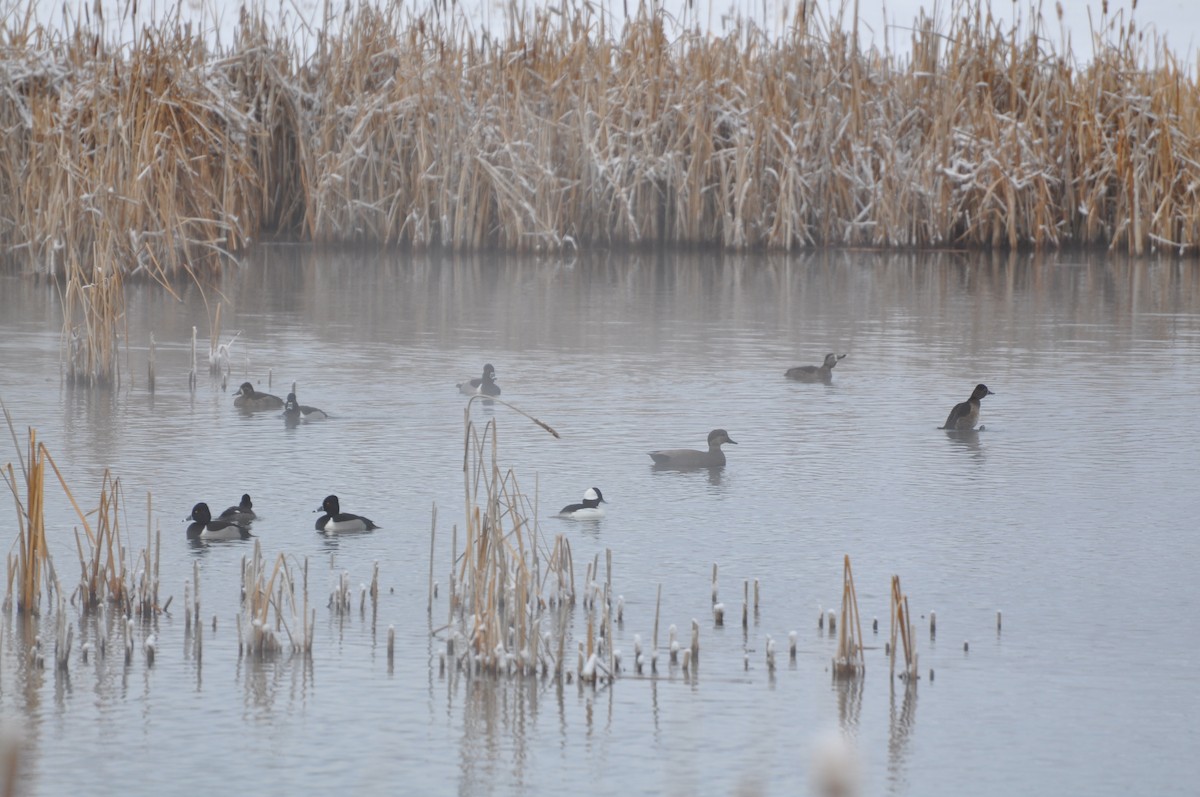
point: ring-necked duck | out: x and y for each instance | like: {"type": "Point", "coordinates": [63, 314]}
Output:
{"type": "Point", "coordinates": [294, 411]}
{"type": "Point", "coordinates": [964, 416]}
{"type": "Point", "coordinates": [242, 512]}
{"type": "Point", "coordinates": [691, 458]}
{"type": "Point", "coordinates": [205, 528]}
{"type": "Point", "coordinates": [483, 386]}
{"type": "Point", "coordinates": [815, 373]}
{"type": "Point", "coordinates": [335, 521]}
{"type": "Point", "coordinates": [247, 398]}
{"type": "Point", "coordinates": [589, 509]}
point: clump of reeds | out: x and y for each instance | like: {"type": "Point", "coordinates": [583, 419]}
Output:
{"type": "Point", "coordinates": [849, 661]}
{"type": "Point", "coordinates": [902, 630]}
{"type": "Point", "coordinates": [258, 635]}
{"type": "Point", "coordinates": [507, 577]}
{"type": "Point", "coordinates": [31, 565]}
{"type": "Point", "coordinates": [102, 568]}
{"type": "Point", "coordinates": [93, 303]}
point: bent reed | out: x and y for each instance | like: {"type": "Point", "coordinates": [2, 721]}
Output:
{"type": "Point", "coordinates": [166, 154]}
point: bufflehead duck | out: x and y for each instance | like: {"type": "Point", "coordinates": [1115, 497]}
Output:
{"type": "Point", "coordinates": [589, 509]}
{"type": "Point", "coordinates": [964, 416]}
{"type": "Point", "coordinates": [335, 521]}
{"type": "Point", "coordinates": [484, 386]}
{"type": "Point", "coordinates": [242, 512]}
{"type": "Point", "coordinates": [815, 373]}
{"type": "Point", "coordinates": [205, 528]}
{"type": "Point", "coordinates": [691, 458]}
{"type": "Point", "coordinates": [294, 411]}
{"type": "Point", "coordinates": [247, 398]}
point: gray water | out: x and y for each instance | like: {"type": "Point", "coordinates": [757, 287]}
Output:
{"type": "Point", "coordinates": [1073, 513]}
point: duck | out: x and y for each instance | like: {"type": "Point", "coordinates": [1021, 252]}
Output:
{"type": "Point", "coordinates": [590, 509]}
{"type": "Point", "coordinates": [249, 399]}
{"type": "Point", "coordinates": [244, 511]}
{"type": "Point", "coordinates": [691, 458]}
{"type": "Point", "coordinates": [964, 416]}
{"type": "Point", "coordinates": [335, 521]}
{"type": "Point", "coordinates": [815, 373]}
{"type": "Point", "coordinates": [205, 528]}
{"type": "Point", "coordinates": [294, 411]}
{"type": "Point", "coordinates": [483, 386]}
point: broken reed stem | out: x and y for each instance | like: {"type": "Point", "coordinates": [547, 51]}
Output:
{"type": "Point", "coordinates": [902, 628]}
{"type": "Point", "coordinates": [849, 662]}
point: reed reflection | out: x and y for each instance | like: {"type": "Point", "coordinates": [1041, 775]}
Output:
{"type": "Point", "coordinates": [849, 701]}
{"type": "Point", "coordinates": [900, 728]}
{"type": "Point", "coordinates": [498, 717]}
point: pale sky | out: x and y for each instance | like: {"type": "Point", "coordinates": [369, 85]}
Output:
{"type": "Point", "coordinates": [1178, 20]}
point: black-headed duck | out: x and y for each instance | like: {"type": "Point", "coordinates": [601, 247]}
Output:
{"type": "Point", "coordinates": [295, 412]}
{"type": "Point", "coordinates": [241, 513]}
{"type": "Point", "coordinates": [205, 528]}
{"type": "Point", "coordinates": [335, 521]}
{"type": "Point", "coordinates": [589, 509]}
{"type": "Point", "coordinates": [481, 386]}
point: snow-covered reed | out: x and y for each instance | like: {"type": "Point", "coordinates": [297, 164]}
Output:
{"type": "Point", "coordinates": [572, 131]}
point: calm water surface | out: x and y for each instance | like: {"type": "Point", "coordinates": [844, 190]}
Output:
{"type": "Point", "coordinates": [1074, 513]}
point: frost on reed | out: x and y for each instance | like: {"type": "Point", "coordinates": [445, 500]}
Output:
{"type": "Point", "coordinates": [509, 583]}
{"type": "Point", "coordinates": [162, 155]}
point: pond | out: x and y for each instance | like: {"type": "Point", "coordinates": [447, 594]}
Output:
{"type": "Point", "coordinates": [1073, 513]}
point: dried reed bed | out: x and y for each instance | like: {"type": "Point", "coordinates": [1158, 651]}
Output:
{"type": "Point", "coordinates": [163, 155]}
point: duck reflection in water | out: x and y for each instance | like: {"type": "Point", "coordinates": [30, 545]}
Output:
{"type": "Point", "coordinates": [965, 438]}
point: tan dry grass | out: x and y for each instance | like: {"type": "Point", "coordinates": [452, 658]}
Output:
{"type": "Point", "coordinates": [162, 155]}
